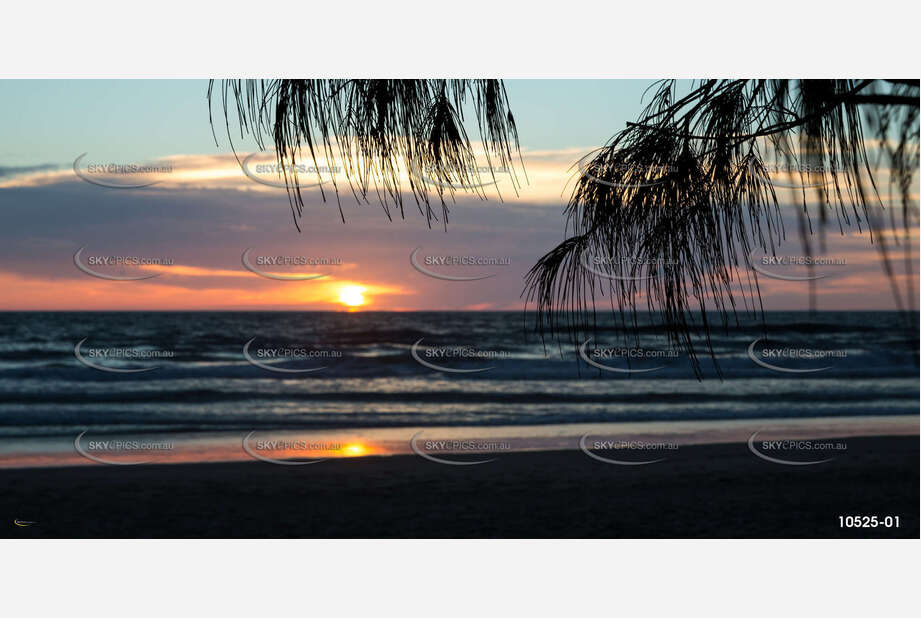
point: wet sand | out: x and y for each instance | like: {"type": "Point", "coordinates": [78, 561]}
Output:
{"type": "Point", "coordinates": [706, 491]}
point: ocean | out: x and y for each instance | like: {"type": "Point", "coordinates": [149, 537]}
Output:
{"type": "Point", "coordinates": [61, 373]}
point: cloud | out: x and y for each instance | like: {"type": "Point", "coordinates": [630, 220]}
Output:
{"type": "Point", "coordinates": [546, 174]}
{"type": "Point", "coordinates": [9, 171]}
{"type": "Point", "coordinates": [206, 212]}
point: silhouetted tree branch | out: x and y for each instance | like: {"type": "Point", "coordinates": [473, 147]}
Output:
{"type": "Point", "coordinates": [667, 207]}
{"type": "Point", "coordinates": [380, 130]}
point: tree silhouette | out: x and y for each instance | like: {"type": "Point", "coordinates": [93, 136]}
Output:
{"type": "Point", "coordinates": [668, 210]}
{"type": "Point", "coordinates": [378, 127]}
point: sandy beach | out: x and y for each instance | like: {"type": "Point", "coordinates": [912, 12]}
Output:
{"type": "Point", "coordinates": [705, 491]}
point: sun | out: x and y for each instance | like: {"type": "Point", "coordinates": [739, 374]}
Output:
{"type": "Point", "coordinates": [354, 449]}
{"type": "Point", "coordinates": [352, 295]}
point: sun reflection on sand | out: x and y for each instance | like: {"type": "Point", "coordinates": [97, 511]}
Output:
{"type": "Point", "coordinates": [355, 449]}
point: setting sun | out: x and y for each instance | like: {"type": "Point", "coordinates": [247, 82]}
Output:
{"type": "Point", "coordinates": [354, 450]}
{"type": "Point", "coordinates": [352, 295]}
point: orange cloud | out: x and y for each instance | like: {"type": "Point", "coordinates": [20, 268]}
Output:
{"type": "Point", "coordinates": [43, 294]}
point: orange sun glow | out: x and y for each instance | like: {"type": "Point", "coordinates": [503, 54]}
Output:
{"type": "Point", "coordinates": [352, 295]}
{"type": "Point", "coordinates": [354, 449]}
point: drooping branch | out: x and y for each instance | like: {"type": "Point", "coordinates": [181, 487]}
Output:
{"type": "Point", "coordinates": [389, 136]}
{"type": "Point", "coordinates": [664, 215]}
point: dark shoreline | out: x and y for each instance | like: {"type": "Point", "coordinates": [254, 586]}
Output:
{"type": "Point", "coordinates": [706, 491]}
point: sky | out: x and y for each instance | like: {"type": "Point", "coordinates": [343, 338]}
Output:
{"type": "Point", "coordinates": [52, 121]}
{"type": "Point", "coordinates": [204, 212]}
